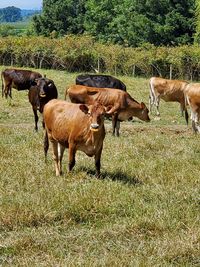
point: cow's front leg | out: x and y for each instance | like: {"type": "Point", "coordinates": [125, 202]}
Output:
{"type": "Point", "coordinates": [98, 161]}
{"type": "Point", "coordinates": [72, 152]}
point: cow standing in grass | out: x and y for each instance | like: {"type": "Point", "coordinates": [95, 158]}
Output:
{"type": "Point", "coordinates": [122, 105]}
{"type": "Point", "coordinates": [18, 79]}
{"type": "Point", "coordinates": [102, 81]}
{"type": "Point", "coordinates": [76, 127]}
{"type": "Point", "coordinates": [41, 92]}
{"type": "Point", "coordinates": [169, 91]}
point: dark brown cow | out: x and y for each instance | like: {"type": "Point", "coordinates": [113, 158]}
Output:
{"type": "Point", "coordinates": [39, 94]}
{"type": "Point", "coordinates": [18, 79]}
{"type": "Point", "coordinates": [76, 127]}
{"type": "Point", "coordinates": [192, 93]}
{"type": "Point", "coordinates": [169, 91]}
{"type": "Point", "coordinates": [123, 105]}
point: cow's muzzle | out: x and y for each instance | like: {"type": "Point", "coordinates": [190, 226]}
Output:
{"type": "Point", "coordinates": [42, 95]}
{"type": "Point", "coordinates": [94, 127]}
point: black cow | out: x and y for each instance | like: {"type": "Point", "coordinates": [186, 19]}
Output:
{"type": "Point", "coordinates": [103, 81]}
{"type": "Point", "coordinates": [41, 92]}
{"type": "Point", "coordinates": [100, 81]}
{"type": "Point", "coordinates": [18, 79]}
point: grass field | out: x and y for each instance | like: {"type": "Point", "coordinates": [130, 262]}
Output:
{"type": "Point", "coordinates": [143, 212]}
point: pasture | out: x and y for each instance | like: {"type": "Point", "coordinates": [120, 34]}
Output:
{"type": "Point", "coordinates": [144, 211]}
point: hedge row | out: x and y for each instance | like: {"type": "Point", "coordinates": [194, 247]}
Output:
{"type": "Point", "coordinates": [82, 53]}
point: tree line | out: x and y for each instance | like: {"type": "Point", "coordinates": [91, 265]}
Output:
{"type": "Point", "coordinates": [125, 22]}
{"type": "Point", "coordinates": [83, 54]}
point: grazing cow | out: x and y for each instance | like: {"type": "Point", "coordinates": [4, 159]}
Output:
{"type": "Point", "coordinates": [76, 127]}
{"type": "Point", "coordinates": [39, 94]}
{"type": "Point", "coordinates": [18, 79]}
{"type": "Point", "coordinates": [168, 90]}
{"type": "Point", "coordinates": [192, 93]}
{"type": "Point", "coordinates": [100, 81]}
{"type": "Point", "coordinates": [123, 106]}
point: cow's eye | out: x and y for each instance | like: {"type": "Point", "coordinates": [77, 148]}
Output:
{"type": "Point", "coordinates": [50, 84]}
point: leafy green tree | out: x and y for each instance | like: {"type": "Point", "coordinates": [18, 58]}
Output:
{"type": "Point", "coordinates": [133, 22]}
{"type": "Point", "coordinates": [197, 34]}
{"type": "Point", "coordinates": [10, 14]}
{"type": "Point", "coordinates": [60, 16]}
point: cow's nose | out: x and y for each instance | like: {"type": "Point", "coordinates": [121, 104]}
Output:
{"type": "Point", "coordinates": [94, 127]}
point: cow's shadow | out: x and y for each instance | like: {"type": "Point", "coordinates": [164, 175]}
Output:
{"type": "Point", "coordinates": [114, 176]}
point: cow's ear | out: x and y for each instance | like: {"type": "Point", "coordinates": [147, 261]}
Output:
{"type": "Point", "coordinates": [108, 108]}
{"type": "Point", "coordinates": [84, 108]}
{"type": "Point", "coordinates": [143, 105]}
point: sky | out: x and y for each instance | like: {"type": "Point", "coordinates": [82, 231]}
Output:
{"type": "Point", "coordinates": [22, 4]}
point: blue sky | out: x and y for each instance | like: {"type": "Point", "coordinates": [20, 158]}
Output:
{"type": "Point", "coordinates": [23, 4]}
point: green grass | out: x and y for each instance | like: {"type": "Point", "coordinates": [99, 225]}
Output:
{"type": "Point", "coordinates": [143, 212]}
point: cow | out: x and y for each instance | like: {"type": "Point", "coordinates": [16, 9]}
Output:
{"type": "Point", "coordinates": [18, 79]}
{"type": "Point", "coordinates": [122, 106]}
{"type": "Point", "coordinates": [41, 92]}
{"type": "Point", "coordinates": [76, 127]}
{"type": "Point", "coordinates": [192, 93]}
{"type": "Point", "coordinates": [100, 81]}
{"type": "Point", "coordinates": [168, 90]}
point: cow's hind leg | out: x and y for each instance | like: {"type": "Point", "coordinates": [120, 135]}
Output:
{"type": "Point", "coordinates": [157, 102]}
{"type": "Point", "coordinates": [55, 157]}
{"type": "Point", "coordinates": [61, 150]}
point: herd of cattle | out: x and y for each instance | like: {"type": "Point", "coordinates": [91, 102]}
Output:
{"type": "Point", "coordinates": [79, 124]}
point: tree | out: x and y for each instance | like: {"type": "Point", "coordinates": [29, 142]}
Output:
{"type": "Point", "coordinates": [197, 34]}
{"type": "Point", "coordinates": [60, 16]}
{"type": "Point", "coordinates": [134, 22]}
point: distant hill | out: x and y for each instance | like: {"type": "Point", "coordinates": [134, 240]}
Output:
{"type": "Point", "coordinates": [29, 12]}
{"type": "Point", "coordinates": [14, 14]}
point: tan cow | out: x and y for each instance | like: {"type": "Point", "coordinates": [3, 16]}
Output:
{"type": "Point", "coordinates": [123, 105]}
{"type": "Point", "coordinates": [76, 127]}
{"type": "Point", "coordinates": [168, 90]}
{"type": "Point", "coordinates": [192, 93]}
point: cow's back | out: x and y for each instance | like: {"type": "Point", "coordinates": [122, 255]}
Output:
{"type": "Point", "coordinates": [100, 81]}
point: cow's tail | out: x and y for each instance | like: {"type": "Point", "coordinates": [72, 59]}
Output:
{"type": "Point", "coordinates": [46, 145]}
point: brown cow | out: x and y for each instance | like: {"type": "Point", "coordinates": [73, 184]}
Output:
{"type": "Point", "coordinates": [123, 105]}
{"type": "Point", "coordinates": [18, 79]}
{"type": "Point", "coordinates": [39, 94]}
{"type": "Point", "coordinates": [76, 127]}
{"type": "Point", "coordinates": [192, 93]}
{"type": "Point", "coordinates": [168, 90]}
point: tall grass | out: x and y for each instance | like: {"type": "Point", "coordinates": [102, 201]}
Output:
{"type": "Point", "coordinates": [144, 211]}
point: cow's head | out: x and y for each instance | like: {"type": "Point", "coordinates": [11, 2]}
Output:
{"type": "Point", "coordinates": [44, 86]}
{"type": "Point", "coordinates": [96, 114]}
{"type": "Point", "coordinates": [144, 113]}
